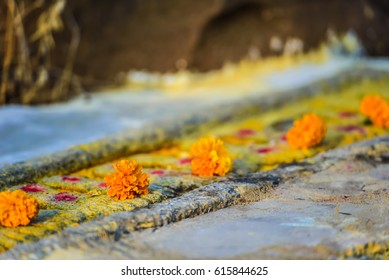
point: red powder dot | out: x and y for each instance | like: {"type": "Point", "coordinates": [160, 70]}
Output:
{"type": "Point", "coordinates": [352, 128]}
{"type": "Point", "coordinates": [70, 179]}
{"type": "Point", "coordinates": [245, 132]}
{"type": "Point", "coordinates": [157, 172]}
{"type": "Point", "coordinates": [283, 138]}
{"type": "Point", "coordinates": [264, 150]}
{"type": "Point", "coordinates": [347, 114]}
{"type": "Point", "coordinates": [63, 196]}
{"type": "Point", "coordinates": [32, 188]}
{"type": "Point", "coordinates": [185, 161]}
{"type": "Point", "coordinates": [103, 185]}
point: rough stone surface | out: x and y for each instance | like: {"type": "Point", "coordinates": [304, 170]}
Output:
{"type": "Point", "coordinates": [318, 210]}
{"type": "Point", "coordinates": [322, 198]}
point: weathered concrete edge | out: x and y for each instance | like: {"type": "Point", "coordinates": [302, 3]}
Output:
{"type": "Point", "coordinates": [200, 201]}
{"type": "Point", "coordinates": [164, 132]}
{"type": "Point", "coordinates": [233, 190]}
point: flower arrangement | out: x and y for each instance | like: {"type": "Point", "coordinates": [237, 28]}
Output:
{"type": "Point", "coordinates": [128, 180]}
{"type": "Point", "coordinates": [17, 208]}
{"type": "Point", "coordinates": [377, 109]}
{"type": "Point", "coordinates": [210, 157]}
{"type": "Point", "coordinates": [306, 132]}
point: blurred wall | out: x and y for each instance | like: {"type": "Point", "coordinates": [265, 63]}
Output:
{"type": "Point", "coordinates": [165, 35]}
{"type": "Point", "coordinates": [98, 40]}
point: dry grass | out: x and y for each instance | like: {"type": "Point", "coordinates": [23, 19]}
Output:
{"type": "Point", "coordinates": [27, 42]}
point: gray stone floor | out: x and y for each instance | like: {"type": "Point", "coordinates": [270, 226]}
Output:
{"type": "Point", "coordinates": [321, 207]}
{"type": "Point", "coordinates": [315, 209]}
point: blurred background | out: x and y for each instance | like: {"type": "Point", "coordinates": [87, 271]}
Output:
{"type": "Point", "coordinates": [51, 50]}
{"type": "Point", "coordinates": [75, 71]}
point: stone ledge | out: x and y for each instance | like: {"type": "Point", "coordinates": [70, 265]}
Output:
{"type": "Point", "coordinates": [213, 197]}
{"type": "Point", "coordinates": [165, 132]}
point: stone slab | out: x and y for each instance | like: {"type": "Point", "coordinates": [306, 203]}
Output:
{"type": "Point", "coordinates": [317, 209]}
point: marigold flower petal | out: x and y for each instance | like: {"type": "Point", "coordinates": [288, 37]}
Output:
{"type": "Point", "coordinates": [17, 208]}
{"type": "Point", "coordinates": [128, 181]}
{"type": "Point", "coordinates": [377, 109]}
{"type": "Point", "coordinates": [210, 157]}
{"type": "Point", "coordinates": [307, 132]}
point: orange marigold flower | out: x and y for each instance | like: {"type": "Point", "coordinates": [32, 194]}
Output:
{"type": "Point", "coordinates": [128, 180]}
{"type": "Point", "coordinates": [210, 157]}
{"type": "Point", "coordinates": [17, 208]}
{"type": "Point", "coordinates": [377, 109]}
{"type": "Point", "coordinates": [307, 132]}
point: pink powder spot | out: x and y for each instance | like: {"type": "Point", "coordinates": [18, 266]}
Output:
{"type": "Point", "coordinates": [283, 138]}
{"type": "Point", "coordinates": [63, 196]}
{"type": "Point", "coordinates": [32, 188]}
{"type": "Point", "coordinates": [347, 114]}
{"type": "Point", "coordinates": [185, 161]}
{"type": "Point", "coordinates": [245, 132]}
{"type": "Point", "coordinates": [348, 167]}
{"type": "Point", "coordinates": [103, 185]}
{"type": "Point", "coordinates": [157, 172]}
{"type": "Point", "coordinates": [70, 179]}
{"type": "Point", "coordinates": [264, 150]}
{"type": "Point", "coordinates": [352, 128]}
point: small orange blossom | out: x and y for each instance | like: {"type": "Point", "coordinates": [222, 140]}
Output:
{"type": "Point", "coordinates": [210, 157]}
{"type": "Point", "coordinates": [377, 109]}
{"type": "Point", "coordinates": [128, 181]}
{"type": "Point", "coordinates": [17, 208]}
{"type": "Point", "coordinates": [306, 132]}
